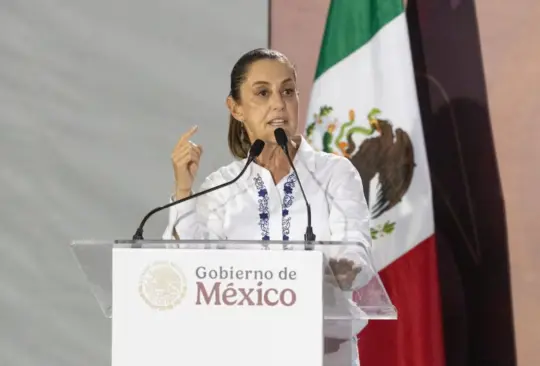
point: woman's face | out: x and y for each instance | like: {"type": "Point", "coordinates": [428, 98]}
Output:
{"type": "Point", "coordinates": [268, 100]}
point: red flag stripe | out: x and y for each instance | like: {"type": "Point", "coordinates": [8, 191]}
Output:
{"type": "Point", "coordinates": [416, 338]}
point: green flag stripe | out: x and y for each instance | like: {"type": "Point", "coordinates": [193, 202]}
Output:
{"type": "Point", "coordinates": [351, 24]}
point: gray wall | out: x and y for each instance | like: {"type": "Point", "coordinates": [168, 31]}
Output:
{"type": "Point", "coordinates": [93, 97]}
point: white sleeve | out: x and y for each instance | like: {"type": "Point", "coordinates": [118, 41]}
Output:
{"type": "Point", "coordinates": [349, 222]}
{"type": "Point", "coordinates": [349, 216]}
{"type": "Point", "coordinates": [198, 219]}
{"type": "Point", "coordinates": [349, 212]}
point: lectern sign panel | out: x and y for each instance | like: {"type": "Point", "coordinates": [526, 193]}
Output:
{"type": "Point", "coordinates": [209, 307]}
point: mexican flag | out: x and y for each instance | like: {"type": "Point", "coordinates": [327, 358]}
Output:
{"type": "Point", "coordinates": [364, 106]}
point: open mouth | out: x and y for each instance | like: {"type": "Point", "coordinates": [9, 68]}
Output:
{"type": "Point", "coordinates": [278, 122]}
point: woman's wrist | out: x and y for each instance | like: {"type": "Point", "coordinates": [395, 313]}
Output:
{"type": "Point", "coordinates": [182, 193]}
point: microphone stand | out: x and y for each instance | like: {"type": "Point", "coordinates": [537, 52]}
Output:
{"type": "Point", "coordinates": [256, 149]}
{"type": "Point", "coordinates": [282, 140]}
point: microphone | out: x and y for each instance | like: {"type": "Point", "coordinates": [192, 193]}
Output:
{"type": "Point", "coordinates": [254, 152]}
{"type": "Point", "coordinates": [282, 140]}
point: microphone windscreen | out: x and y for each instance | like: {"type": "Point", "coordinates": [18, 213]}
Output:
{"type": "Point", "coordinates": [256, 148]}
{"type": "Point", "coordinates": [281, 136]}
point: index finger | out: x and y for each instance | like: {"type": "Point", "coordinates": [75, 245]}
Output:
{"type": "Point", "coordinates": [185, 137]}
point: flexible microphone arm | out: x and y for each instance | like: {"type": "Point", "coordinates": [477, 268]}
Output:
{"type": "Point", "coordinates": [282, 140]}
{"type": "Point", "coordinates": [254, 152]}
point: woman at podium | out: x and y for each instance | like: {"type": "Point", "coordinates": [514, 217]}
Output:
{"type": "Point", "coordinates": [266, 202]}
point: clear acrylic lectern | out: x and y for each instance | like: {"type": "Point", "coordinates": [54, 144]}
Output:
{"type": "Point", "coordinates": [321, 291]}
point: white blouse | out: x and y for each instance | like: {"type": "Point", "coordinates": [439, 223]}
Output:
{"type": "Point", "coordinates": [255, 208]}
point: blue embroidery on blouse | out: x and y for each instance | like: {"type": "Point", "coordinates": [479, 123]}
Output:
{"type": "Point", "coordinates": [288, 199]}
{"type": "Point", "coordinates": [264, 212]}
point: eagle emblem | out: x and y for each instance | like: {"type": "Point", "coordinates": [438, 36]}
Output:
{"type": "Point", "coordinates": [375, 149]}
